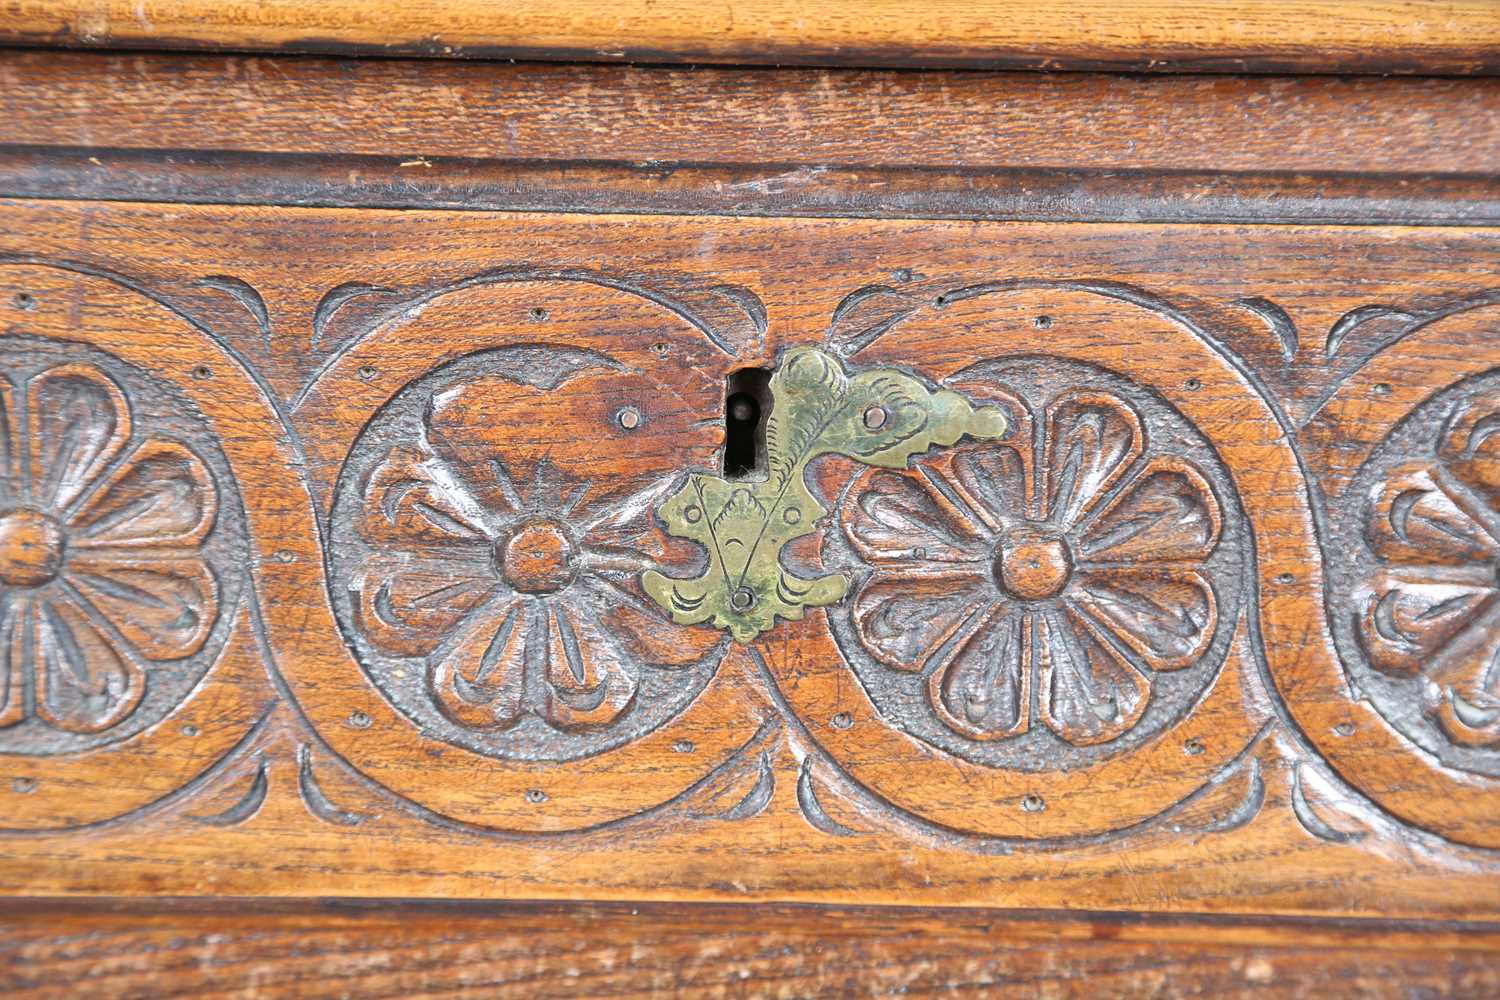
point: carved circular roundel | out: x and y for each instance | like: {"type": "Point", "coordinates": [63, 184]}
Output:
{"type": "Point", "coordinates": [484, 567]}
{"type": "Point", "coordinates": [1044, 601]}
{"type": "Point", "coordinates": [121, 548]}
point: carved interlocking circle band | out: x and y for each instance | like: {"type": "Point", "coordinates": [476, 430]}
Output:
{"type": "Point", "coordinates": [1036, 601]}
{"type": "Point", "coordinates": [1416, 557]}
{"type": "Point", "coordinates": [120, 547]}
{"type": "Point", "coordinates": [489, 588]}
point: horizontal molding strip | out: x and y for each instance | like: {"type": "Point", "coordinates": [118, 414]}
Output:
{"type": "Point", "coordinates": [1330, 36]}
{"type": "Point", "coordinates": [411, 109]}
{"type": "Point", "coordinates": [766, 190]}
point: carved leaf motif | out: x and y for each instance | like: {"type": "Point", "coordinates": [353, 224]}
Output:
{"type": "Point", "coordinates": [165, 608]}
{"type": "Point", "coordinates": [481, 682]}
{"type": "Point", "coordinates": [991, 480]}
{"type": "Point", "coordinates": [1414, 521]}
{"type": "Point", "coordinates": [1168, 514]}
{"type": "Point", "coordinates": [15, 624]}
{"type": "Point", "coordinates": [591, 681]}
{"type": "Point", "coordinates": [881, 418]}
{"type": "Point", "coordinates": [1471, 447]}
{"type": "Point", "coordinates": [902, 517]}
{"type": "Point", "coordinates": [407, 507]}
{"type": "Point", "coordinates": [983, 687]}
{"type": "Point", "coordinates": [407, 607]}
{"type": "Point", "coordinates": [905, 618]}
{"type": "Point", "coordinates": [1092, 439]}
{"type": "Point", "coordinates": [10, 446]}
{"type": "Point", "coordinates": [1166, 615]}
{"type": "Point", "coordinates": [1466, 696]}
{"type": "Point", "coordinates": [1406, 624]}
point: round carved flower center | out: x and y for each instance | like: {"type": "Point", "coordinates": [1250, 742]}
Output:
{"type": "Point", "coordinates": [537, 558]}
{"type": "Point", "coordinates": [1033, 563]}
{"type": "Point", "coordinates": [31, 548]}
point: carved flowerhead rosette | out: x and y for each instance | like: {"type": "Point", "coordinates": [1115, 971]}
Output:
{"type": "Point", "coordinates": [486, 560]}
{"type": "Point", "coordinates": [1418, 575]}
{"type": "Point", "coordinates": [118, 542]}
{"type": "Point", "coordinates": [1036, 601]}
{"type": "Point", "coordinates": [487, 459]}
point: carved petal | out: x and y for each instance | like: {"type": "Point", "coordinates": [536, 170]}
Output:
{"type": "Point", "coordinates": [1405, 625]}
{"type": "Point", "coordinates": [165, 608]}
{"type": "Point", "coordinates": [481, 683]}
{"type": "Point", "coordinates": [162, 495]}
{"type": "Point", "coordinates": [408, 507]}
{"type": "Point", "coordinates": [1089, 693]}
{"type": "Point", "coordinates": [994, 480]}
{"type": "Point", "coordinates": [625, 529]}
{"type": "Point", "coordinates": [10, 445]}
{"type": "Point", "coordinates": [645, 633]}
{"type": "Point", "coordinates": [79, 421]}
{"type": "Point", "coordinates": [1166, 615]}
{"type": "Point", "coordinates": [590, 679]}
{"type": "Point", "coordinates": [900, 517]}
{"type": "Point", "coordinates": [1092, 440]}
{"type": "Point", "coordinates": [1465, 693]}
{"type": "Point", "coordinates": [983, 688]}
{"type": "Point", "coordinates": [903, 619]}
{"type": "Point", "coordinates": [1414, 521]}
{"type": "Point", "coordinates": [15, 622]}
{"type": "Point", "coordinates": [1167, 513]}
{"type": "Point", "coordinates": [84, 684]}
{"type": "Point", "coordinates": [411, 609]}
{"type": "Point", "coordinates": [1471, 447]}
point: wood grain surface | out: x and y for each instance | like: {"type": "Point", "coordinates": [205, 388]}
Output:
{"type": "Point", "coordinates": [249, 949]}
{"type": "Point", "coordinates": [803, 121]}
{"type": "Point", "coordinates": [1426, 36]}
{"type": "Point", "coordinates": [336, 728]}
{"type": "Point", "coordinates": [350, 411]}
{"type": "Point", "coordinates": [664, 141]}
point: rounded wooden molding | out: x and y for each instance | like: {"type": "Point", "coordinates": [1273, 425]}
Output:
{"type": "Point", "coordinates": [1434, 36]}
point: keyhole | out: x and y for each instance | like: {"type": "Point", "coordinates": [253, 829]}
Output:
{"type": "Point", "coordinates": [747, 403]}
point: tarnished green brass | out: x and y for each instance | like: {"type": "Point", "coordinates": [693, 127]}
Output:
{"type": "Point", "coordinates": [877, 417]}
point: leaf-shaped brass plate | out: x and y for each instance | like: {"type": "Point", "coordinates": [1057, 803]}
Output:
{"type": "Point", "coordinates": [878, 417]}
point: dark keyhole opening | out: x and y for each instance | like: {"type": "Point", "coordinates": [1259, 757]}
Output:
{"type": "Point", "coordinates": [747, 404]}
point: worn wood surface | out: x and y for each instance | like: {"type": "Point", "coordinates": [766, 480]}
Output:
{"type": "Point", "coordinates": [246, 949]}
{"type": "Point", "coordinates": [770, 190]}
{"type": "Point", "coordinates": [1425, 36]}
{"type": "Point", "coordinates": [346, 687]}
{"type": "Point", "coordinates": [659, 118]}
{"type": "Point", "coordinates": [328, 533]}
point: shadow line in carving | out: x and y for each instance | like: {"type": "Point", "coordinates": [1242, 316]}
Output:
{"type": "Point", "coordinates": [248, 805]}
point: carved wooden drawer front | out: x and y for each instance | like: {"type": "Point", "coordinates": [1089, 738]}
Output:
{"type": "Point", "coordinates": [360, 552]}
{"type": "Point", "coordinates": [623, 493]}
